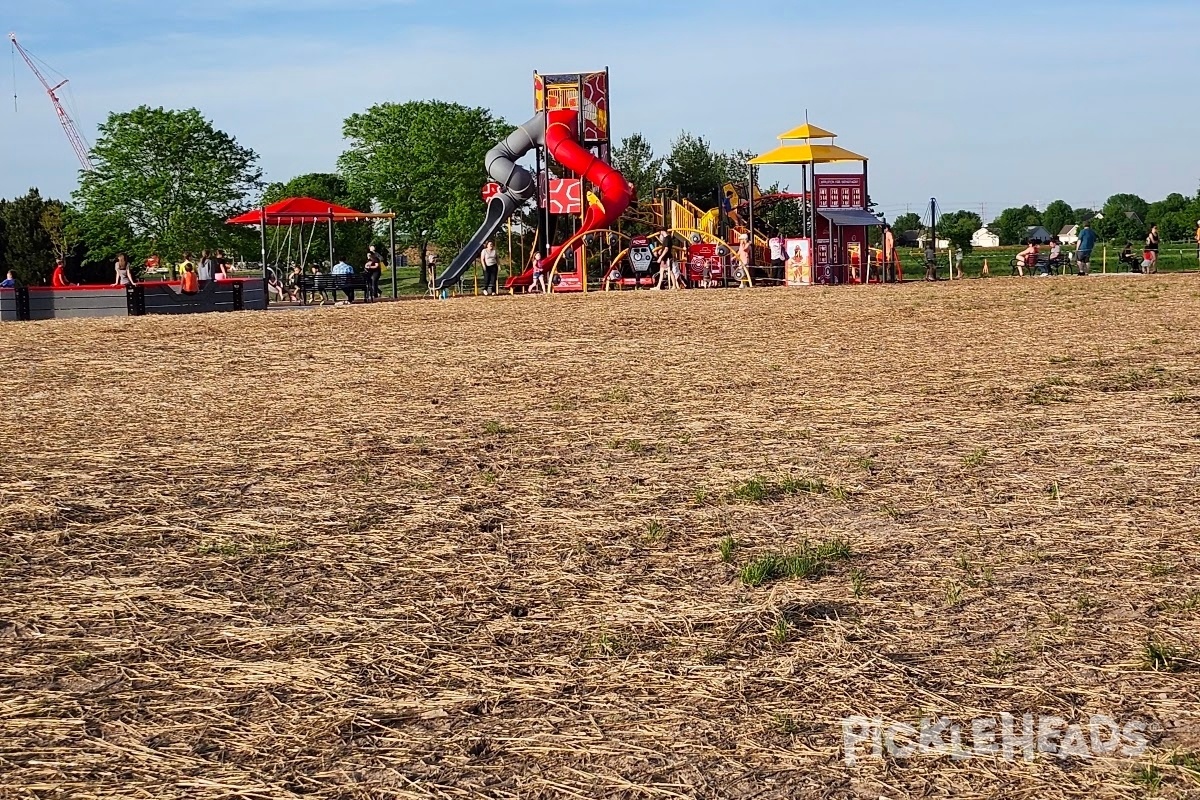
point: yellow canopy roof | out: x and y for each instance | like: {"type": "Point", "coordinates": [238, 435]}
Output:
{"type": "Point", "coordinates": [807, 131]}
{"type": "Point", "coordinates": [807, 154]}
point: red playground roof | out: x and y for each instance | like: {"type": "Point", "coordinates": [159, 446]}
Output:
{"type": "Point", "coordinates": [301, 209]}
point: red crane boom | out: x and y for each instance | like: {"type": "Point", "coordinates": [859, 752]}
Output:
{"type": "Point", "coordinates": [82, 151]}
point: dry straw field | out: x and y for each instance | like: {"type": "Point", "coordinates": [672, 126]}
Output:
{"type": "Point", "coordinates": [643, 545]}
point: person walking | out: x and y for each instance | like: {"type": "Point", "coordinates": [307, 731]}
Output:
{"type": "Point", "coordinates": [490, 259]}
{"type": "Point", "coordinates": [539, 277]}
{"type": "Point", "coordinates": [889, 255]}
{"type": "Point", "coordinates": [1151, 254]}
{"type": "Point", "coordinates": [124, 275]}
{"type": "Point", "coordinates": [1083, 255]}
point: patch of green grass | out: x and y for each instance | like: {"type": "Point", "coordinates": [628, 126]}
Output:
{"type": "Point", "coordinates": [976, 457]}
{"type": "Point", "coordinates": [700, 497]}
{"type": "Point", "coordinates": [728, 547]}
{"type": "Point", "coordinates": [1061, 359]}
{"type": "Point", "coordinates": [807, 561]}
{"type": "Point", "coordinates": [1188, 762]}
{"type": "Point", "coordinates": [656, 532]}
{"type": "Point", "coordinates": [495, 427]}
{"type": "Point", "coordinates": [1134, 380]}
{"type": "Point", "coordinates": [865, 463]}
{"type": "Point", "coordinates": [892, 513]}
{"type": "Point", "coordinates": [615, 395]}
{"type": "Point", "coordinates": [858, 582]}
{"type": "Point", "coordinates": [952, 594]}
{"type": "Point", "coordinates": [1149, 776]}
{"type": "Point", "coordinates": [1054, 492]}
{"type": "Point", "coordinates": [781, 631]}
{"type": "Point", "coordinates": [1051, 390]}
{"type": "Point", "coordinates": [223, 548]}
{"type": "Point", "coordinates": [1161, 567]}
{"type": "Point", "coordinates": [635, 446]}
{"type": "Point", "coordinates": [1085, 603]}
{"type": "Point", "coordinates": [1179, 397]}
{"type": "Point", "coordinates": [763, 489]}
{"type": "Point", "coordinates": [1162, 657]}
{"type": "Point", "coordinates": [786, 724]}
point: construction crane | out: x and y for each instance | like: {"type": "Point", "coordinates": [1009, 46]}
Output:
{"type": "Point", "coordinates": [82, 151]}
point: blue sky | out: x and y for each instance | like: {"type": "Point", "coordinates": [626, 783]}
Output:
{"type": "Point", "coordinates": [979, 104]}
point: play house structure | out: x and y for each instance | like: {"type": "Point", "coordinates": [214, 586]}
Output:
{"type": "Point", "coordinates": [835, 218]}
{"type": "Point", "coordinates": [578, 194]}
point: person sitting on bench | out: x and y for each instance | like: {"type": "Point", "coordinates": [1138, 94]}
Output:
{"type": "Point", "coordinates": [342, 268]}
{"type": "Point", "coordinates": [1027, 257]}
{"type": "Point", "coordinates": [1129, 260]}
{"type": "Point", "coordinates": [191, 281]}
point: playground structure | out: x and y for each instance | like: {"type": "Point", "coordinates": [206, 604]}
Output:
{"type": "Point", "coordinates": [835, 215]}
{"type": "Point", "coordinates": [570, 129]}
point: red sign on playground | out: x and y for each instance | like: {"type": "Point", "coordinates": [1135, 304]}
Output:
{"type": "Point", "coordinates": [490, 190]}
{"type": "Point", "coordinates": [566, 196]}
{"type": "Point", "coordinates": [840, 191]}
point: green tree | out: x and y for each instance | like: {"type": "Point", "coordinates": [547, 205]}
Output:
{"type": "Point", "coordinates": [1013, 224]}
{"type": "Point", "coordinates": [420, 160]}
{"type": "Point", "coordinates": [1083, 215]}
{"type": "Point", "coordinates": [350, 239]}
{"type": "Point", "coordinates": [165, 181]}
{"type": "Point", "coordinates": [958, 227]}
{"type": "Point", "coordinates": [907, 222]}
{"type": "Point", "coordinates": [1124, 219]}
{"type": "Point", "coordinates": [28, 248]}
{"type": "Point", "coordinates": [1058, 215]}
{"type": "Point", "coordinates": [634, 158]}
{"type": "Point", "coordinates": [696, 170]}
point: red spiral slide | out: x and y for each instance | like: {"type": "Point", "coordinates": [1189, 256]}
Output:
{"type": "Point", "coordinates": [614, 191]}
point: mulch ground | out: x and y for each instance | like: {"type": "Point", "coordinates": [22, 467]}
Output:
{"type": "Point", "coordinates": [492, 547]}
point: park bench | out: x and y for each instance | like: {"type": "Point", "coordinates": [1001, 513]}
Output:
{"type": "Point", "coordinates": [331, 284]}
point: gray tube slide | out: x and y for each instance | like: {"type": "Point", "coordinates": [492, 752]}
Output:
{"type": "Point", "coordinates": [502, 167]}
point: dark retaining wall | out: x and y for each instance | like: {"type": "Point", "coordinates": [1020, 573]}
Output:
{"type": "Point", "coordinates": [145, 298]}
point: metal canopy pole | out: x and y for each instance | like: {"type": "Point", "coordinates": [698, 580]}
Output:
{"type": "Point", "coordinates": [262, 227]}
{"type": "Point", "coordinates": [331, 240]}
{"type": "Point", "coordinates": [392, 252]}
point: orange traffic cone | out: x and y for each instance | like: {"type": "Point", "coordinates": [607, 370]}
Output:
{"type": "Point", "coordinates": [985, 272]}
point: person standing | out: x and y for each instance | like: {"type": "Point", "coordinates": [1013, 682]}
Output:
{"type": "Point", "coordinates": [9, 282]}
{"type": "Point", "coordinates": [889, 255]}
{"type": "Point", "coordinates": [931, 261]}
{"type": "Point", "coordinates": [207, 267]}
{"type": "Point", "coordinates": [745, 256]}
{"type": "Point", "coordinates": [187, 262]}
{"type": "Point", "coordinates": [778, 256]}
{"type": "Point", "coordinates": [221, 266]}
{"type": "Point", "coordinates": [1087, 243]}
{"type": "Point", "coordinates": [374, 271]}
{"type": "Point", "coordinates": [490, 260]}
{"type": "Point", "coordinates": [1151, 254]}
{"type": "Point", "coordinates": [1198, 240]}
{"type": "Point", "coordinates": [124, 275]}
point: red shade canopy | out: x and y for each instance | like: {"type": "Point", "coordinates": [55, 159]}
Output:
{"type": "Point", "coordinates": [301, 210]}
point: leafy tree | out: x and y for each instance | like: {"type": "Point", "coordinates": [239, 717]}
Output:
{"type": "Point", "coordinates": [350, 239]}
{"type": "Point", "coordinates": [634, 158]}
{"type": "Point", "coordinates": [1124, 218]}
{"type": "Point", "coordinates": [1082, 215]}
{"type": "Point", "coordinates": [165, 181]}
{"type": "Point", "coordinates": [1057, 216]}
{"type": "Point", "coordinates": [907, 222]}
{"type": "Point", "coordinates": [1013, 224]}
{"type": "Point", "coordinates": [28, 248]}
{"type": "Point", "coordinates": [958, 227]}
{"type": "Point", "coordinates": [696, 170]}
{"type": "Point", "coordinates": [420, 160]}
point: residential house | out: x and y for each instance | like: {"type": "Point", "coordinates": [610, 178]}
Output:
{"type": "Point", "coordinates": [941, 244]}
{"type": "Point", "coordinates": [1036, 233]}
{"type": "Point", "coordinates": [984, 238]}
{"type": "Point", "coordinates": [1069, 235]}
